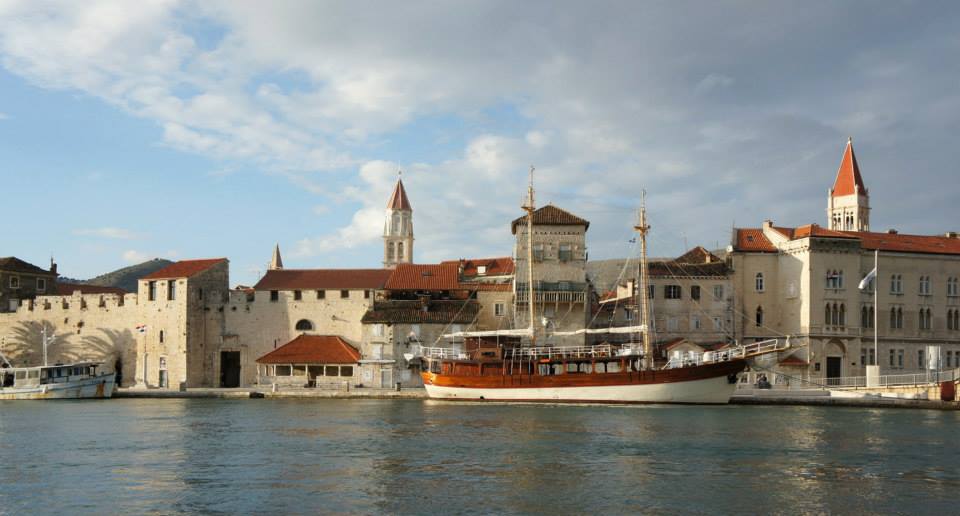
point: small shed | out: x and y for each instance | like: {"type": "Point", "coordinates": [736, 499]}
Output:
{"type": "Point", "coordinates": [310, 361]}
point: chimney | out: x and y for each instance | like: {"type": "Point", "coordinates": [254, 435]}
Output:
{"type": "Point", "coordinates": [892, 231]}
{"type": "Point", "coordinates": [53, 266]}
{"type": "Point", "coordinates": [950, 234]}
{"type": "Point", "coordinates": [767, 224]}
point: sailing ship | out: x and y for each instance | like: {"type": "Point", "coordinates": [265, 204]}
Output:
{"type": "Point", "coordinates": [500, 366]}
{"type": "Point", "coordinates": [77, 380]}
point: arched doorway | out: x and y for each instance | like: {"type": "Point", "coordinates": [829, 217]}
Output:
{"type": "Point", "coordinates": [834, 353]}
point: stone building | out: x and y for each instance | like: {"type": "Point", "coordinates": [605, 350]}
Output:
{"type": "Point", "coordinates": [803, 281]}
{"type": "Point", "coordinates": [691, 298]}
{"type": "Point", "coordinates": [21, 281]}
{"type": "Point", "coordinates": [559, 273]}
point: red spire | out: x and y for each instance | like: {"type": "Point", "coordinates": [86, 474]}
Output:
{"type": "Point", "coordinates": [399, 201]}
{"type": "Point", "coordinates": [849, 174]}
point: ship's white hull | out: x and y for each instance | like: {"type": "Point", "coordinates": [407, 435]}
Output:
{"type": "Point", "coordinates": [96, 387]}
{"type": "Point", "coordinates": [716, 390]}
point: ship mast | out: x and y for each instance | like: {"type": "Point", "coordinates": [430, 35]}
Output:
{"type": "Point", "coordinates": [528, 206]}
{"type": "Point", "coordinates": [641, 228]}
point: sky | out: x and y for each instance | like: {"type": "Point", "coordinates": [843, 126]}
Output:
{"type": "Point", "coordinates": [180, 129]}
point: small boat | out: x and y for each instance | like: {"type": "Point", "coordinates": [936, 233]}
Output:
{"type": "Point", "coordinates": [79, 380]}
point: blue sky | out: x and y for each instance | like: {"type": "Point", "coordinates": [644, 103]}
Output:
{"type": "Point", "coordinates": [187, 130]}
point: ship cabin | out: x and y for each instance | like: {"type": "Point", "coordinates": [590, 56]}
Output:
{"type": "Point", "coordinates": [41, 375]}
{"type": "Point", "coordinates": [505, 356]}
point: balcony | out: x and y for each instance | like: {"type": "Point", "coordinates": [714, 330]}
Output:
{"type": "Point", "coordinates": [553, 292]}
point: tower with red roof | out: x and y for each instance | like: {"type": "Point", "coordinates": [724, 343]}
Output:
{"type": "Point", "coordinates": [848, 202]}
{"type": "Point", "coordinates": [398, 228]}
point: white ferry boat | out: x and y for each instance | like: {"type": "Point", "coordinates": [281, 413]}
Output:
{"type": "Point", "coordinates": [61, 381]}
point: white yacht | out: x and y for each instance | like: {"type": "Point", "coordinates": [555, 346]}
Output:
{"type": "Point", "coordinates": [60, 381]}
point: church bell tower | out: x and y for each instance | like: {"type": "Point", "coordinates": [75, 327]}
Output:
{"type": "Point", "coordinates": [848, 202]}
{"type": "Point", "coordinates": [398, 229]}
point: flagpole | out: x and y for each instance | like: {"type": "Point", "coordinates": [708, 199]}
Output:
{"type": "Point", "coordinates": [876, 306]}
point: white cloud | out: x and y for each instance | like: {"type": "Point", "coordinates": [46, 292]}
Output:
{"type": "Point", "coordinates": [4, 116]}
{"type": "Point", "coordinates": [133, 256]}
{"type": "Point", "coordinates": [107, 232]}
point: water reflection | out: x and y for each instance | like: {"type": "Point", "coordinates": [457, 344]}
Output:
{"type": "Point", "coordinates": [309, 456]}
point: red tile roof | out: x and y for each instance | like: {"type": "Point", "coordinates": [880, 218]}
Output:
{"type": "Point", "coordinates": [67, 289]}
{"type": "Point", "coordinates": [697, 255]}
{"type": "Point", "coordinates": [413, 312]}
{"type": "Point", "coordinates": [552, 216]}
{"type": "Point", "coordinates": [398, 200]}
{"type": "Point", "coordinates": [848, 175]}
{"type": "Point", "coordinates": [310, 279]}
{"type": "Point", "coordinates": [434, 276]}
{"type": "Point", "coordinates": [184, 269]}
{"type": "Point", "coordinates": [500, 266]}
{"type": "Point", "coordinates": [811, 230]}
{"type": "Point", "coordinates": [926, 244]}
{"type": "Point", "coordinates": [14, 264]}
{"type": "Point", "coordinates": [752, 240]}
{"type": "Point", "coordinates": [313, 349]}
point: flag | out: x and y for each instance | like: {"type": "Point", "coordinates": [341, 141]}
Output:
{"type": "Point", "coordinates": [866, 279]}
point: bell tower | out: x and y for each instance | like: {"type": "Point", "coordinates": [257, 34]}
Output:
{"type": "Point", "coordinates": [398, 228]}
{"type": "Point", "coordinates": [848, 202]}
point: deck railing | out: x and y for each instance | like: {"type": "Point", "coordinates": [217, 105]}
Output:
{"type": "Point", "coordinates": [534, 353]}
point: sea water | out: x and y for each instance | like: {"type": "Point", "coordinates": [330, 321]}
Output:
{"type": "Point", "coordinates": [179, 456]}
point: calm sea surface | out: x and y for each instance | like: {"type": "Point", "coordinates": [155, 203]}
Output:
{"type": "Point", "coordinates": [401, 457]}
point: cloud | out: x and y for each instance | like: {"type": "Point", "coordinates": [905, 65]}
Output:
{"type": "Point", "coordinates": [107, 232]}
{"type": "Point", "coordinates": [133, 256]}
{"type": "Point", "coordinates": [4, 116]}
{"type": "Point", "coordinates": [711, 110]}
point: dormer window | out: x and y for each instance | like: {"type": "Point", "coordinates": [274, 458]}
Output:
{"type": "Point", "coordinates": [481, 270]}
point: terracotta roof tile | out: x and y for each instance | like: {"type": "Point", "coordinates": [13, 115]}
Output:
{"type": "Point", "coordinates": [753, 240]}
{"type": "Point", "coordinates": [697, 255]}
{"type": "Point", "coordinates": [925, 244]}
{"type": "Point", "coordinates": [184, 269]}
{"type": "Point", "coordinates": [414, 312]}
{"type": "Point", "coordinates": [434, 276]}
{"type": "Point", "coordinates": [848, 175]}
{"type": "Point", "coordinates": [398, 200]}
{"type": "Point", "coordinates": [313, 349]}
{"type": "Point", "coordinates": [14, 264]}
{"type": "Point", "coordinates": [310, 279]}
{"type": "Point", "coordinates": [553, 216]}
{"type": "Point", "coordinates": [500, 266]}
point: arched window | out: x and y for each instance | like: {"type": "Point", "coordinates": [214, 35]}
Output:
{"type": "Point", "coordinates": [893, 318]}
{"type": "Point", "coordinates": [827, 315]}
{"type": "Point", "coordinates": [760, 314]}
{"type": "Point", "coordinates": [870, 320]}
{"type": "Point", "coordinates": [864, 317]}
{"type": "Point", "coordinates": [759, 282]}
{"type": "Point", "coordinates": [899, 317]}
{"type": "Point", "coordinates": [956, 320]}
{"type": "Point", "coordinates": [304, 325]}
{"type": "Point", "coordinates": [395, 229]}
{"type": "Point", "coordinates": [949, 320]}
{"type": "Point", "coordinates": [843, 314]}
{"type": "Point", "coordinates": [840, 279]}
{"type": "Point", "coordinates": [400, 257]}
{"type": "Point", "coordinates": [390, 251]}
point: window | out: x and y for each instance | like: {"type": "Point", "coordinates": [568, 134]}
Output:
{"type": "Point", "coordinates": [321, 294]}
{"type": "Point", "coordinates": [893, 357]}
{"type": "Point", "coordinates": [283, 370]}
{"type": "Point", "coordinates": [161, 336]}
{"type": "Point", "coordinates": [304, 325]}
{"type": "Point", "coordinates": [718, 292]}
{"type": "Point", "coordinates": [673, 324]}
{"type": "Point", "coordinates": [400, 257]}
{"type": "Point", "coordinates": [499, 309]}
{"type": "Point", "coordinates": [566, 253]}
{"type": "Point", "coordinates": [274, 295]}
{"type": "Point", "coordinates": [924, 285]}
{"type": "Point", "coordinates": [695, 322]}
{"type": "Point", "coordinates": [896, 284]}
{"type": "Point", "coordinates": [538, 252]}
{"type": "Point", "coordinates": [628, 314]}
{"type": "Point", "coordinates": [717, 324]}
{"type": "Point", "coordinates": [834, 279]}
{"type": "Point", "coordinates": [481, 270]}
{"type": "Point", "coordinates": [346, 370]}
{"type": "Point", "coordinates": [152, 291]}
{"type": "Point", "coordinates": [651, 291]}
{"type": "Point", "coordinates": [14, 281]}
{"type": "Point", "coordinates": [344, 294]}
{"type": "Point", "coordinates": [759, 316]}
{"type": "Point", "coordinates": [900, 358]}
{"type": "Point", "coordinates": [695, 292]}
{"type": "Point", "coordinates": [920, 361]}
{"type": "Point", "coordinates": [949, 319]}
{"type": "Point", "coordinates": [896, 318]}
{"type": "Point", "coordinates": [390, 252]}
{"type": "Point", "coordinates": [297, 295]}
{"type": "Point", "coordinates": [200, 294]}
{"type": "Point", "coordinates": [671, 292]}
{"type": "Point", "coordinates": [171, 290]}
{"type": "Point", "coordinates": [949, 358]}
{"type": "Point", "coordinates": [758, 282]}
{"type": "Point", "coordinates": [951, 287]}
{"type": "Point", "coordinates": [377, 330]}
{"type": "Point", "coordinates": [366, 294]}
{"type": "Point", "coordinates": [956, 321]}
{"type": "Point", "coordinates": [924, 319]}
{"type": "Point", "coordinates": [41, 284]}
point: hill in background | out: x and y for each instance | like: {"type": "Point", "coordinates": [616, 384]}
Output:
{"type": "Point", "coordinates": [125, 278]}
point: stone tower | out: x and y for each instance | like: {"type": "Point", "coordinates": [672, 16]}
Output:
{"type": "Point", "coordinates": [276, 263]}
{"type": "Point", "coordinates": [398, 229]}
{"type": "Point", "coordinates": [848, 202]}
